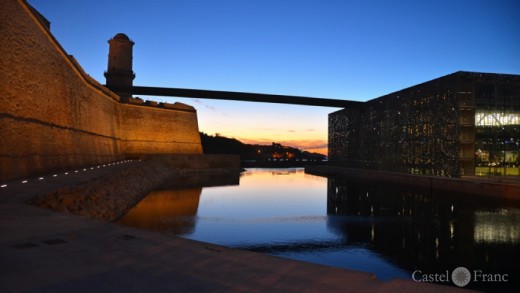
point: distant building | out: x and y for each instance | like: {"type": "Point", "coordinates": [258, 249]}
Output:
{"type": "Point", "coordinates": [460, 124]}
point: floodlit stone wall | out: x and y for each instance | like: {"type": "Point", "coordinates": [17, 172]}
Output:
{"type": "Point", "coordinates": [54, 117]}
{"type": "Point", "coordinates": [159, 130]}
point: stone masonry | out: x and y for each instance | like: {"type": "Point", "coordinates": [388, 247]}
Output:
{"type": "Point", "coordinates": [55, 117]}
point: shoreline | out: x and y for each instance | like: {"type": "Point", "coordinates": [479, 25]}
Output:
{"type": "Point", "coordinates": [45, 250]}
{"type": "Point", "coordinates": [111, 196]}
{"type": "Point", "coordinates": [472, 185]}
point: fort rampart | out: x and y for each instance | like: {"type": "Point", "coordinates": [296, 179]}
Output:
{"type": "Point", "coordinates": [54, 117]}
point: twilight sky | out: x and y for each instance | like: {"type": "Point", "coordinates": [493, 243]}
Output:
{"type": "Point", "coordinates": [356, 50]}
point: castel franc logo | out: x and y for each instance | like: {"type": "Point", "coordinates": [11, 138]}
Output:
{"type": "Point", "coordinates": [460, 276]}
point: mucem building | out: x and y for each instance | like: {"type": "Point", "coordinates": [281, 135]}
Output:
{"type": "Point", "coordinates": [465, 123]}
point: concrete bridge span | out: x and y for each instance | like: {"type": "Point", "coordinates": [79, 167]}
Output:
{"type": "Point", "coordinates": [241, 96]}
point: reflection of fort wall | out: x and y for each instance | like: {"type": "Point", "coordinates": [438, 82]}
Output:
{"type": "Point", "coordinates": [173, 206]}
{"type": "Point", "coordinates": [169, 211]}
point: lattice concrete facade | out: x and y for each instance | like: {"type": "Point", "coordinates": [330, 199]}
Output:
{"type": "Point", "coordinates": [464, 123]}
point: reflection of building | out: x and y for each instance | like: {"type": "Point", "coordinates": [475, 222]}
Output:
{"type": "Point", "coordinates": [497, 227]}
{"type": "Point", "coordinates": [421, 229]}
{"type": "Point", "coordinates": [460, 124]}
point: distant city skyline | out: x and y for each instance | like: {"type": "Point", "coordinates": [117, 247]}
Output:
{"type": "Point", "coordinates": [354, 50]}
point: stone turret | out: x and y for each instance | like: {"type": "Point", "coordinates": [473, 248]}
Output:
{"type": "Point", "coordinates": [119, 74]}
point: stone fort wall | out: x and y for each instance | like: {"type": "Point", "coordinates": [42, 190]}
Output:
{"type": "Point", "coordinates": [54, 117]}
{"type": "Point", "coordinates": [157, 130]}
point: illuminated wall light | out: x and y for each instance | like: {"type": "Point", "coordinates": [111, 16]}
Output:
{"type": "Point", "coordinates": [76, 171]}
{"type": "Point", "coordinates": [41, 178]}
{"type": "Point", "coordinates": [55, 175]}
{"type": "Point", "coordinates": [3, 185]}
{"type": "Point", "coordinates": [24, 181]}
{"type": "Point", "coordinates": [84, 169]}
{"type": "Point", "coordinates": [91, 168]}
{"type": "Point", "coordinates": [66, 173]}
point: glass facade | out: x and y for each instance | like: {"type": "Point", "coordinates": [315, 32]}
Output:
{"type": "Point", "coordinates": [497, 123]}
{"type": "Point", "coordinates": [459, 124]}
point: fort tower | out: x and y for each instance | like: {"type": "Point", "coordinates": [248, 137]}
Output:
{"type": "Point", "coordinates": [119, 74]}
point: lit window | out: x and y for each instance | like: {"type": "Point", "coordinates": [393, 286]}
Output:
{"type": "Point", "coordinates": [496, 119]}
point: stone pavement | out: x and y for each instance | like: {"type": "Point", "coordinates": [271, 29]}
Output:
{"type": "Point", "coordinates": [46, 251]}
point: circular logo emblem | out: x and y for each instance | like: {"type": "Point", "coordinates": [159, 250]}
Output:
{"type": "Point", "coordinates": [461, 276]}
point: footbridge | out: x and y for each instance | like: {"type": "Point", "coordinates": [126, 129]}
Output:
{"type": "Point", "coordinates": [241, 96]}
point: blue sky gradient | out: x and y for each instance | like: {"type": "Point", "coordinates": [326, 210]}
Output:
{"type": "Point", "coordinates": [356, 50]}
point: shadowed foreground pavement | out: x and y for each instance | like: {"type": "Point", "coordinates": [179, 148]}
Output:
{"type": "Point", "coordinates": [46, 251]}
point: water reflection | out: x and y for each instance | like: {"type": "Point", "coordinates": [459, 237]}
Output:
{"type": "Point", "coordinates": [173, 207]}
{"type": "Point", "coordinates": [169, 211]}
{"type": "Point", "coordinates": [500, 227]}
{"type": "Point", "coordinates": [421, 229]}
{"type": "Point", "coordinates": [386, 229]}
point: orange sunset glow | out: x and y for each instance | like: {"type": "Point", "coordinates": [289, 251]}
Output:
{"type": "Point", "coordinates": [303, 127]}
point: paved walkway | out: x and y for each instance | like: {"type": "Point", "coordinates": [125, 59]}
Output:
{"type": "Point", "coordinates": [46, 251]}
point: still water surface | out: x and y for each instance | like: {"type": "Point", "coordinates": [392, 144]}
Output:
{"type": "Point", "coordinates": [385, 229]}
